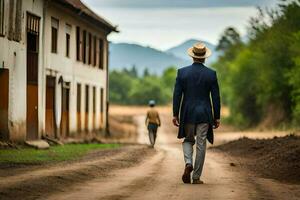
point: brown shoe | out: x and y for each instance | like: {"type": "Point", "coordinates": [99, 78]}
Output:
{"type": "Point", "coordinates": [197, 181]}
{"type": "Point", "coordinates": [186, 177]}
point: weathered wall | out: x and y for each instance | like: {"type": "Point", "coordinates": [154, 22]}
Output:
{"type": "Point", "coordinates": [72, 70]}
{"type": "Point", "coordinates": [13, 57]}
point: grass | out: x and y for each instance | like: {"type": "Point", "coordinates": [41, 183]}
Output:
{"type": "Point", "coordinates": [53, 154]}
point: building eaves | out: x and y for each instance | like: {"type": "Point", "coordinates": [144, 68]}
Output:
{"type": "Point", "coordinates": [83, 11]}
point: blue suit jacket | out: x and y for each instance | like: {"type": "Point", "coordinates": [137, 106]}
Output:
{"type": "Point", "coordinates": [196, 97]}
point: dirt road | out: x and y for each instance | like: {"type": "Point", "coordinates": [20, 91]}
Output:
{"type": "Point", "coordinates": [143, 173]}
{"type": "Point", "coordinates": [159, 177]}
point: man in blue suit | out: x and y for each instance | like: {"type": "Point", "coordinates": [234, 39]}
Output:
{"type": "Point", "coordinates": [196, 109]}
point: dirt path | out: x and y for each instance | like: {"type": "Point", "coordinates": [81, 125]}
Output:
{"type": "Point", "coordinates": [159, 177]}
{"type": "Point", "coordinates": [39, 182]}
{"type": "Point", "coordinates": [138, 172]}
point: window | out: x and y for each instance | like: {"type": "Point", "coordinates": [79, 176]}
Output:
{"type": "Point", "coordinates": [86, 98]}
{"type": "Point", "coordinates": [101, 104]}
{"type": "Point", "coordinates": [78, 107]}
{"type": "Point", "coordinates": [68, 36]}
{"type": "Point", "coordinates": [78, 97]}
{"type": "Point", "coordinates": [18, 19]}
{"type": "Point", "coordinates": [2, 33]}
{"type": "Point", "coordinates": [11, 20]}
{"type": "Point", "coordinates": [94, 100]}
{"type": "Point", "coordinates": [32, 33]}
{"type": "Point", "coordinates": [68, 45]}
{"type": "Point", "coordinates": [84, 47]}
{"type": "Point", "coordinates": [54, 32]}
{"type": "Point", "coordinates": [101, 54]}
{"type": "Point", "coordinates": [94, 107]}
{"type": "Point", "coordinates": [101, 99]}
{"type": "Point", "coordinates": [78, 43]}
{"type": "Point", "coordinates": [86, 106]}
{"type": "Point", "coordinates": [90, 48]}
{"type": "Point", "coordinates": [15, 18]}
{"type": "Point", "coordinates": [95, 51]}
{"type": "Point", "coordinates": [54, 40]}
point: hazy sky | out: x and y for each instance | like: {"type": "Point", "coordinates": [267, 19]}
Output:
{"type": "Point", "coordinates": [166, 23]}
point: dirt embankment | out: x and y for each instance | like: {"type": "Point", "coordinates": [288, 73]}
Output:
{"type": "Point", "coordinates": [123, 124]}
{"type": "Point", "coordinates": [277, 158]}
{"type": "Point", "coordinates": [123, 128]}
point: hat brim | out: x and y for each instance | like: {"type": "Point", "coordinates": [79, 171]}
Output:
{"type": "Point", "coordinates": [206, 55]}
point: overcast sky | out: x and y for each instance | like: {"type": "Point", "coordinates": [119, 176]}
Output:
{"type": "Point", "coordinates": [165, 23]}
{"type": "Point", "coordinates": [178, 3]}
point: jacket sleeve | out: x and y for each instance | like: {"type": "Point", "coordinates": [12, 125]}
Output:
{"type": "Point", "coordinates": [215, 95]}
{"type": "Point", "coordinates": [177, 96]}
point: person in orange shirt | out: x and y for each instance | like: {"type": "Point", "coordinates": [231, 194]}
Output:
{"type": "Point", "coordinates": [152, 122]}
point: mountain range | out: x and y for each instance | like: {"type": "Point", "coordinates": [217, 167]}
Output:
{"type": "Point", "coordinates": [125, 55]}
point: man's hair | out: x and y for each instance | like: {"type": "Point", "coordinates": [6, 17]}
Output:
{"type": "Point", "coordinates": [199, 60]}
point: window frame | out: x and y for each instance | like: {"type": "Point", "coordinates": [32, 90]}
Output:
{"type": "Point", "coordinates": [89, 48]}
{"type": "Point", "coordinates": [54, 35]}
{"type": "Point", "coordinates": [68, 39]}
{"type": "Point", "coordinates": [101, 54]}
{"type": "Point", "coordinates": [94, 99]}
{"type": "Point", "coordinates": [2, 18]}
{"type": "Point", "coordinates": [78, 44]}
{"type": "Point", "coordinates": [95, 50]}
{"type": "Point", "coordinates": [78, 103]}
{"type": "Point", "coordinates": [54, 38]}
{"type": "Point", "coordinates": [84, 46]}
{"type": "Point", "coordinates": [101, 105]}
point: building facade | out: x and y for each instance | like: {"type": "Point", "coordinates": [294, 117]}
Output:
{"type": "Point", "coordinates": [53, 70]}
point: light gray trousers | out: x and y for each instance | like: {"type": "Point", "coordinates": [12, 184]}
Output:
{"type": "Point", "coordinates": [200, 132]}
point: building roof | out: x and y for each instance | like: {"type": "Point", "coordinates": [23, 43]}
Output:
{"type": "Point", "coordinates": [82, 10]}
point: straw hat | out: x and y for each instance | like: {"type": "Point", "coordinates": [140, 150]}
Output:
{"type": "Point", "coordinates": [199, 50]}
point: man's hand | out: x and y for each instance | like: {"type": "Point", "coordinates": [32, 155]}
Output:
{"type": "Point", "coordinates": [217, 123]}
{"type": "Point", "coordinates": [175, 121]}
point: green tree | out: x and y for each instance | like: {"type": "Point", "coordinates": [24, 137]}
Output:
{"type": "Point", "coordinates": [149, 88]}
{"type": "Point", "coordinates": [133, 72]}
{"type": "Point", "coordinates": [294, 80]}
{"type": "Point", "coordinates": [230, 45]}
{"type": "Point", "coordinates": [229, 39]}
{"type": "Point", "coordinates": [260, 79]}
{"type": "Point", "coordinates": [128, 88]}
{"type": "Point", "coordinates": [146, 72]}
{"type": "Point", "coordinates": [120, 84]}
{"type": "Point", "coordinates": [169, 76]}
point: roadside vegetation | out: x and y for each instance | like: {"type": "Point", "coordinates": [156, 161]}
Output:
{"type": "Point", "coordinates": [53, 154]}
{"type": "Point", "coordinates": [129, 88]}
{"type": "Point", "coordinates": [260, 77]}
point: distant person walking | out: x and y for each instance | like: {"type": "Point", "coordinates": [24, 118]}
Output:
{"type": "Point", "coordinates": [199, 113]}
{"type": "Point", "coordinates": [152, 122]}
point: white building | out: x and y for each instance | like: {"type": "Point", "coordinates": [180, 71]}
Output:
{"type": "Point", "coordinates": [53, 69]}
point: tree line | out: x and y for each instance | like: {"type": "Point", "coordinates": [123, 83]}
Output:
{"type": "Point", "coordinates": [129, 88]}
{"type": "Point", "coordinates": [260, 78]}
